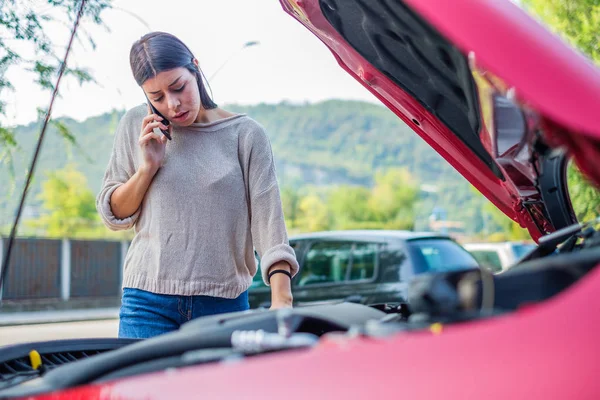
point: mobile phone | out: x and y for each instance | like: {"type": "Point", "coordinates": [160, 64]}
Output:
{"type": "Point", "coordinates": [164, 120]}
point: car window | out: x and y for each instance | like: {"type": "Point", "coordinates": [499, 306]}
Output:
{"type": "Point", "coordinates": [521, 249]}
{"type": "Point", "coordinates": [325, 262]}
{"type": "Point", "coordinates": [257, 281]}
{"type": "Point", "coordinates": [439, 255]}
{"type": "Point", "coordinates": [364, 258]}
{"type": "Point", "coordinates": [488, 258]}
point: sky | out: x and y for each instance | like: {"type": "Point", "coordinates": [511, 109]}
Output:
{"type": "Point", "coordinates": [289, 63]}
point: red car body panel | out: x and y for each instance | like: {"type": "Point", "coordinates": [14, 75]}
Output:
{"type": "Point", "coordinates": [547, 350]}
{"type": "Point", "coordinates": [544, 351]}
{"type": "Point", "coordinates": [550, 78]}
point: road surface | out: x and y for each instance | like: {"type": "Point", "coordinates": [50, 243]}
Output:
{"type": "Point", "coordinates": [64, 330]}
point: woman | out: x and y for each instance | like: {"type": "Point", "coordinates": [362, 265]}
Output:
{"type": "Point", "coordinates": [200, 203]}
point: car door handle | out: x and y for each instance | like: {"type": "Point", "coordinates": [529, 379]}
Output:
{"type": "Point", "coordinates": [355, 298]}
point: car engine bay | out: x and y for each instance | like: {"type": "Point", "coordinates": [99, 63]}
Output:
{"type": "Point", "coordinates": [560, 260]}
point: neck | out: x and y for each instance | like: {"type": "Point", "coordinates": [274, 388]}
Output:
{"type": "Point", "coordinates": [215, 114]}
{"type": "Point", "coordinates": [206, 116]}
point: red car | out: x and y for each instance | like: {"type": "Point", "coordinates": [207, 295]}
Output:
{"type": "Point", "coordinates": [506, 103]}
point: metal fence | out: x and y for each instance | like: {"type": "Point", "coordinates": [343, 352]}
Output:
{"type": "Point", "coordinates": [63, 269]}
{"type": "Point", "coordinates": [95, 268]}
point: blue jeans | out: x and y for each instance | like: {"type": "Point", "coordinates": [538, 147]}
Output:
{"type": "Point", "coordinates": [144, 314]}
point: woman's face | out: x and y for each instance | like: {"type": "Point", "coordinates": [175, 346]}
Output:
{"type": "Point", "coordinates": [174, 93]}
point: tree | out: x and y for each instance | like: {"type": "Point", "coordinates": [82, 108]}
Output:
{"type": "Point", "coordinates": [313, 214]}
{"type": "Point", "coordinates": [584, 196]}
{"type": "Point", "coordinates": [578, 21]}
{"type": "Point", "coordinates": [509, 229]}
{"type": "Point", "coordinates": [290, 200]}
{"type": "Point", "coordinates": [393, 198]}
{"type": "Point", "coordinates": [348, 206]}
{"type": "Point", "coordinates": [25, 28]}
{"type": "Point", "coordinates": [68, 205]}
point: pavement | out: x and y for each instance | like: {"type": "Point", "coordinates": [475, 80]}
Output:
{"type": "Point", "coordinates": [57, 316]}
{"type": "Point", "coordinates": [15, 334]}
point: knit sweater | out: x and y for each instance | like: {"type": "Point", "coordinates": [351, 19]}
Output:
{"type": "Point", "coordinates": [213, 201]}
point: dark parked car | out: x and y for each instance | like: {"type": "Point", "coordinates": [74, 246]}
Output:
{"type": "Point", "coordinates": [365, 267]}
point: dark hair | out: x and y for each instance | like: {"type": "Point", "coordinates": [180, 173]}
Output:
{"type": "Point", "coordinates": [156, 52]}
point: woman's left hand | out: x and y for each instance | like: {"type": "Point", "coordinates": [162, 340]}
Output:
{"type": "Point", "coordinates": [277, 304]}
{"type": "Point", "coordinates": [281, 287]}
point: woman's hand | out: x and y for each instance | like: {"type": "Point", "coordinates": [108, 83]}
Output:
{"type": "Point", "coordinates": [281, 287]}
{"type": "Point", "coordinates": [153, 146]}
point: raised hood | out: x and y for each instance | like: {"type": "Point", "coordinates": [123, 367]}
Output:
{"type": "Point", "coordinates": [504, 101]}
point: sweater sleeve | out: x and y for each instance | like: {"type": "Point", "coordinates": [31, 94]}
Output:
{"type": "Point", "coordinates": [120, 168]}
{"type": "Point", "coordinates": [269, 234]}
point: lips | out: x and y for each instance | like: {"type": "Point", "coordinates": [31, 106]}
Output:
{"type": "Point", "coordinates": [180, 116]}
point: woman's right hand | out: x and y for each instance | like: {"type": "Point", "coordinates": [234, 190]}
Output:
{"type": "Point", "coordinates": [153, 146]}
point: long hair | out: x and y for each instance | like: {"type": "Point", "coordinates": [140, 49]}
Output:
{"type": "Point", "coordinates": [156, 52]}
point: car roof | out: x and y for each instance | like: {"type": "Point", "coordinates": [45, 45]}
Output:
{"type": "Point", "coordinates": [369, 235]}
{"type": "Point", "coordinates": [495, 245]}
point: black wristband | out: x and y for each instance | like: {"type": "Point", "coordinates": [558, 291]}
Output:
{"type": "Point", "coordinates": [278, 271]}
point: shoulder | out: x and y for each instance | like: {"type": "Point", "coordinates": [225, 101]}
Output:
{"type": "Point", "coordinates": [253, 142]}
{"type": "Point", "coordinates": [131, 121]}
{"type": "Point", "coordinates": [135, 115]}
{"type": "Point", "coordinates": [251, 131]}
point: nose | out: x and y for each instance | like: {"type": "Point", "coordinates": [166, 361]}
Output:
{"type": "Point", "coordinates": [173, 102]}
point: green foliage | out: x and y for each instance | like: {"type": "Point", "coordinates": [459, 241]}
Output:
{"type": "Point", "coordinates": [578, 21]}
{"type": "Point", "coordinates": [24, 27]}
{"type": "Point", "coordinates": [93, 136]}
{"type": "Point", "coordinates": [343, 141]}
{"type": "Point", "coordinates": [509, 229]}
{"type": "Point", "coordinates": [384, 193]}
{"type": "Point", "coordinates": [497, 227]}
{"type": "Point", "coordinates": [392, 199]}
{"type": "Point", "coordinates": [68, 204]}
{"type": "Point", "coordinates": [584, 196]}
{"type": "Point", "coordinates": [349, 205]}
{"type": "Point", "coordinates": [68, 208]}
{"type": "Point", "coordinates": [312, 215]}
{"type": "Point", "coordinates": [7, 149]}
{"type": "Point", "coordinates": [290, 200]}
{"type": "Point", "coordinates": [389, 204]}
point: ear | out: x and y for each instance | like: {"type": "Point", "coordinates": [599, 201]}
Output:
{"type": "Point", "coordinates": [196, 63]}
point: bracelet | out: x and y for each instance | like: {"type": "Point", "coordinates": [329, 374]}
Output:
{"type": "Point", "coordinates": [278, 271]}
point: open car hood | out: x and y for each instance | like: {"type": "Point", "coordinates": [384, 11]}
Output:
{"type": "Point", "coordinates": [504, 101]}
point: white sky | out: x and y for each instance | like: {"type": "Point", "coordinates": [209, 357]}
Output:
{"type": "Point", "coordinates": [289, 63]}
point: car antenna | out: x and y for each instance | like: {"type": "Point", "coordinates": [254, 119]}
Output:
{"type": "Point", "coordinates": [13, 232]}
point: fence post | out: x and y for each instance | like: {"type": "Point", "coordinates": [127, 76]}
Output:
{"type": "Point", "coordinates": [1, 265]}
{"type": "Point", "coordinates": [65, 270]}
{"type": "Point", "coordinates": [124, 249]}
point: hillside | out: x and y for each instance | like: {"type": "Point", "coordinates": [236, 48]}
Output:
{"type": "Point", "coordinates": [334, 142]}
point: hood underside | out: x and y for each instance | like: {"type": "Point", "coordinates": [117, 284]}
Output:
{"type": "Point", "coordinates": [454, 92]}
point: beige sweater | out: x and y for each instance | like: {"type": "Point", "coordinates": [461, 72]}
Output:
{"type": "Point", "coordinates": [213, 201]}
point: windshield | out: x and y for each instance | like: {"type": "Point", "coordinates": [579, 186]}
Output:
{"type": "Point", "coordinates": [440, 255]}
{"type": "Point", "coordinates": [521, 249]}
